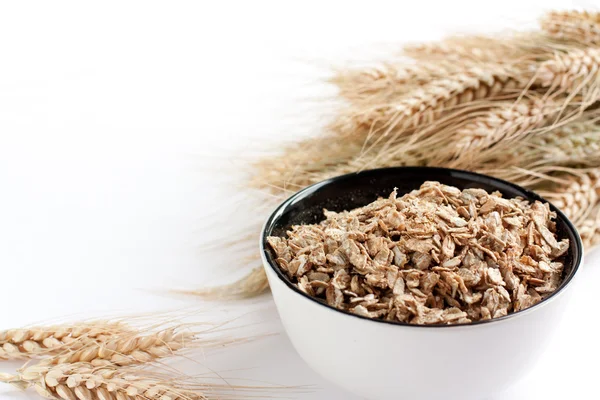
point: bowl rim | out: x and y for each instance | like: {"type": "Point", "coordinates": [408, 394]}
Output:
{"type": "Point", "coordinates": [530, 196]}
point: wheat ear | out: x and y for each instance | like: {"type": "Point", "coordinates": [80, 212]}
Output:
{"type": "Point", "coordinates": [577, 142]}
{"type": "Point", "coordinates": [574, 71]}
{"type": "Point", "coordinates": [503, 122]}
{"type": "Point", "coordinates": [574, 144]}
{"type": "Point", "coordinates": [428, 103]}
{"type": "Point", "coordinates": [577, 26]}
{"type": "Point", "coordinates": [383, 83]}
{"type": "Point", "coordinates": [589, 229]}
{"type": "Point", "coordinates": [38, 341]}
{"type": "Point", "coordinates": [129, 349]}
{"type": "Point", "coordinates": [576, 194]}
{"type": "Point", "coordinates": [83, 381]}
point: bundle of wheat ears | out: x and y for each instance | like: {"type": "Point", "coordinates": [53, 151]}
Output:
{"type": "Point", "coordinates": [522, 107]}
{"type": "Point", "coordinates": [103, 360]}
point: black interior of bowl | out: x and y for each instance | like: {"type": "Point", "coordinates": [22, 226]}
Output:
{"type": "Point", "coordinates": [358, 189]}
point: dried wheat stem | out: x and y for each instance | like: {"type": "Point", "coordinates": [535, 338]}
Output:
{"type": "Point", "coordinates": [576, 197]}
{"type": "Point", "coordinates": [129, 349]}
{"type": "Point", "coordinates": [578, 26]}
{"type": "Point", "coordinates": [37, 341]}
{"type": "Point", "coordinates": [428, 103]}
{"type": "Point", "coordinates": [83, 381]}
{"type": "Point", "coordinates": [574, 71]}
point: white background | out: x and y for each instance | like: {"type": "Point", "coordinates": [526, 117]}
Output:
{"type": "Point", "coordinates": [124, 127]}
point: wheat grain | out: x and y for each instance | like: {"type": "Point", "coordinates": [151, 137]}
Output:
{"type": "Point", "coordinates": [128, 349]}
{"type": "Point", "coordinates": [83, 381]}
{"type": "Point", "coordinates": [38, 341]}
{"type": "Point", "coordinates": [589, 229]}
{"type": "Point", "coordinates": [577, 26]}
{"type": "Point", "coordinates": [573, 71]}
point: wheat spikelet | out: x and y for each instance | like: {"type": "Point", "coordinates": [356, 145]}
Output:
{"type": "Point", "coordinates": [83, 381]}
{"type": "Point", "coordinates": [128, 349]}
{"type": "Point", "coordinates": [37, 341]}
{"type": "Point", "coordinates": [426, 104]}
{"type": "Point", "coordinates": [589, 229]}
{"type": "Point", "coordinates": [573, 71]}
{"type": "Point", "coordinates": [577, 194]}
{"type": "Point", "coordinates": [577, 26]}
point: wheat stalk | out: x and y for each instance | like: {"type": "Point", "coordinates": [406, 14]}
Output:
{"type": "Point", "coordinates": [38, 341]}
{"type": "Point", "coordinates": [577, 26]}
{"type": "Point", "coordinates": [84, 381]}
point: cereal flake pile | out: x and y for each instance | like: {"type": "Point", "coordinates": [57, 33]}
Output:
{"type": "Point", "coordinates": [437, 255]}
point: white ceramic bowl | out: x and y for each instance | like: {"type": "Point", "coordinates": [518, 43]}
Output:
{"type": "Point", "coordinates": [386, 360]}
